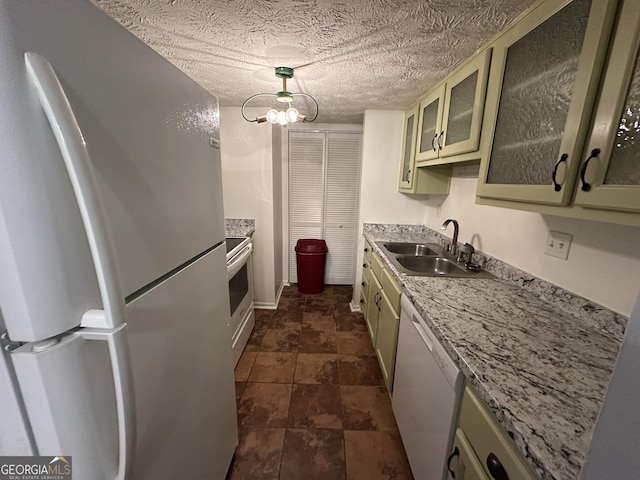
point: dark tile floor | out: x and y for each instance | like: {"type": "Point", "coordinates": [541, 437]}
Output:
{"type": "Point", "coordinates": [311, 398]}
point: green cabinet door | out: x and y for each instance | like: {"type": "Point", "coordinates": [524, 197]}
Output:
{"type": "Point", "coordinates": [373, 306]}
{"type": "Point", "coordinates": [609, 177]}
{"type": "Point", "coordinates": [430, 125]}
{"type": "Point", "coordinates": [387, 339]}
{"type": "Point", "coordinates": [407, 170]}
{"type": "Point", "coordinates": [463, 463]}
{"type": "Point", "coordinates": [544, 78]}
{"type": "Point", "coordinates": [450, 116]}
{"type": "Point", "coordinates": [464, 107]}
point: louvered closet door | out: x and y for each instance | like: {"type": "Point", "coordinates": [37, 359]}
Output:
{"type": "Point", "coordinates": [306, 173]}
{"type": "Point", "coordinates": [341, 205]}
{"type": "Point", "coordinates": [324, 177]}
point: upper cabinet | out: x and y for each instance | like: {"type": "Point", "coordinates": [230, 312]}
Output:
{"type": "Point", "coordinates": [450, 117]}
{"type": "Point", "coordinates": [609, 177]}
{"type": "Point", "coordinates": [415, 180]}
{"type": "Point", "coordinates": [544, 80]}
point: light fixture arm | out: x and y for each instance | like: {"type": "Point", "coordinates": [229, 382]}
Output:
{"type": "Point", "coordinates": [314, 103]}
{"type": "Point", "coordinates": [251, 98]}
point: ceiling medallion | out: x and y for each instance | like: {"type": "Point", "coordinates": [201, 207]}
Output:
{"type": "Point", "coordinates": [278, 115]}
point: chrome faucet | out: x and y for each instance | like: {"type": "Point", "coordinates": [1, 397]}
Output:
{"type": "Point", "coordinates": [453, 248]}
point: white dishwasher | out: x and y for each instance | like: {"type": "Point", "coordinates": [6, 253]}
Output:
{"type": "Point", "coordinates": [426, 394]}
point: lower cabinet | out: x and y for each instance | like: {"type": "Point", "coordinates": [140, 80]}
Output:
{"type": "Point", "coordinates": [481, 448]}
{"type": "Point", "coordinates": [380, 303]}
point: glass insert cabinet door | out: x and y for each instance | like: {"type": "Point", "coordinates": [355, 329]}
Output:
{"type": "Point", "coordinates": [451, 115]}
{"type": "Point", "coordinates": [464, 106]}
{"type": "Point", "coordinates": [429, 125]}
{"type": "Point", "coordinates": [543, 82]}
{"type": "Point", "coordinates": [407, 170]}
{"type": "Point", "coordinates": [609, 176]}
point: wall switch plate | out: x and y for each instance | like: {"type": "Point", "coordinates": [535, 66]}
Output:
{"type": "Point", "coordinates": [558, 244]}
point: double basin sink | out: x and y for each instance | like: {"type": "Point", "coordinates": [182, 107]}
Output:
{"type": "Point", "coordinates": [427, 260]}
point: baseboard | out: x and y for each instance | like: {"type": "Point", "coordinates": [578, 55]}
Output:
{"type": "Point", "coordinates": [354, 307]}
{"type": "Point", "coordinates": [265, 305]}
{"type": "Point", "coordinates": [271, 305]}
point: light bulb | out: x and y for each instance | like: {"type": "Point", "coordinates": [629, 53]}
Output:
{"type": "Point", "coordinates": [282, 118]}
{"type": "Point", "coordinates": [292, 115]}
{"type": "Point", "coordinates": [272, 116]}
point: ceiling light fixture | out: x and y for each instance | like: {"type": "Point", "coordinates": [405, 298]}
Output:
{"type": "Point", "coordinates": [282, 117]}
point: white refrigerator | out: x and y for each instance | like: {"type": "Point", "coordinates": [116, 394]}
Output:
{"type": "Point", "coordinates": [113, 287]}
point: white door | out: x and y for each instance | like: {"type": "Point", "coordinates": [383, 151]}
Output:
{"type": "Point", "coordinates": [324, 179]}
{"type": "Point", "coordinates": [182, 370]}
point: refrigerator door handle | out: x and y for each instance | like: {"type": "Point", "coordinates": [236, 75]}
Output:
{"type": "Point", "coordinates": [76, 158]}
{"type": "Point", "coordinates": [118, 352]}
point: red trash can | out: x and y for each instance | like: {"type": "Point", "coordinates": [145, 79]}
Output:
{"type": "Point", "coordinates": [311, 256]}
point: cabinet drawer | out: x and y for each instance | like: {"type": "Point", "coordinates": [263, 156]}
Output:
{"type": "Point", "coordinates": [487, 437]}
{"type": "Point", "coordinates": [377, 266]}
{"type": "Point", "coordinates": [391, 289]}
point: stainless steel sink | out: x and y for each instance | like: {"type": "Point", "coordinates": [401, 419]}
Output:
{"type": "Point", "coordinates": [410, 248]}
{"type": "Point", "coordinates": [433, 265]}
{"type": "Point", "coordinates": [427, 260]}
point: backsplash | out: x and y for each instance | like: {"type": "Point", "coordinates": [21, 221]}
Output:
{"type": "Point", "coordinates": [607, 321]}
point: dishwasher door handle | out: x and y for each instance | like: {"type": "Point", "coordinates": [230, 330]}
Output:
{"type": "Point", "coordinates": [426, 335]}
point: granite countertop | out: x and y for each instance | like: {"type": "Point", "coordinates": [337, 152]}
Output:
{"type": "Point", "coordinates": [239, 227]}
{"type": "Point", "coordinates": [538, 356]}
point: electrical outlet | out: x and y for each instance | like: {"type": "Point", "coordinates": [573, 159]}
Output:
{"type": "Point", "coordinates": [439, 210]}
{"type": "Point", "coordinates": [558, 244]}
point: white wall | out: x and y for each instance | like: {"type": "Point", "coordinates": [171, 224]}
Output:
{"type": "Point", "coordinates": [380, 201]}
{"type": "Point", "coordinates": [247, 183]}
{"type": "Point", "coordinates": [604, 259]}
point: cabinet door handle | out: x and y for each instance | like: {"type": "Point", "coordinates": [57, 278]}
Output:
{"type": "Point", "coordinates": [433, 142]}
{"type": "Point", "coordinates": [556, 186]}
{"type": "Point", "coordinates": [364, 265]}
{"type": "Point", "coordinates": [366, 249]}
{"type": "Point", "coordinates": [455, 453]}
{"type": "Point", "coordinates": [406, 177]}
{"type": "Point", "coordinates": [363, 284]}
{"type": "Point", "coordinates": [495, 467]}
{"type": "Point", "coordinates": [440, 140]}
{"type": "Point", "coordinates": [585, 185]}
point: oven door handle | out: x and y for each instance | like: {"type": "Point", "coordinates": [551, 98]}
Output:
{"type": "Point", "coordinates": [239, 260]}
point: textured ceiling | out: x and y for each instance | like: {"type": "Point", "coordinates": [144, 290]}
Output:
{"type": "Point", "coordinates": [351, 55]}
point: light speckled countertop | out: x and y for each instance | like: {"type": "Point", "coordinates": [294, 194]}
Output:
{"type": "Point", "coordinates": [239, 227]}
{"type": "Point", "coordinates": [539, 357]}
